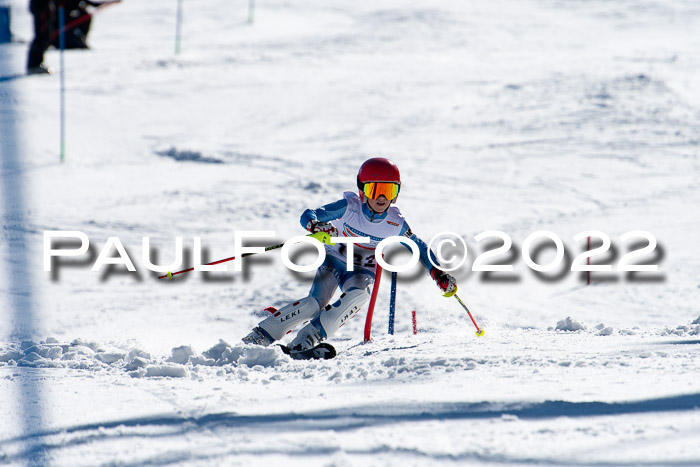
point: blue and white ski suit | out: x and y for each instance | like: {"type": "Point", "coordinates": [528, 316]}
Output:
{"type": "Point", "coordinates": [353, 218]}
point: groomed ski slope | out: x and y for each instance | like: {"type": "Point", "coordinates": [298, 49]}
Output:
{"type": "Point", "coordinates": [515, 116]}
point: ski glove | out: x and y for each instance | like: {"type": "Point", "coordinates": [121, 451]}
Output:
{"type": "Point", "coordinates": [444, 281]}
{"type": "Point", "coordinates": [314, 226]}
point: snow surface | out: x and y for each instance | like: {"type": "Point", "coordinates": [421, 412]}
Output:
{"type": "Point", "coordinates": [507, 115]}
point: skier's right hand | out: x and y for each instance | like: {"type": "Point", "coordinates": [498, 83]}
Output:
{"type": "Point", "coordinates": [444, 281]}
{"type": "Point", "coordinates": [314, 226]}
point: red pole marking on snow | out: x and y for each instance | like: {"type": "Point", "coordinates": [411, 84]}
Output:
{"type": "Point", "coordinates": [370, 310]}
{"type": "Point", "coordinates": [81, 19]}
{"type": "Point", "coordinates": [415, 327]}
{"type": "Point", "coordinates": [588, 260]}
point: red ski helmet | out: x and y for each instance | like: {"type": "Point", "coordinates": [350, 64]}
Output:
{"type": "Point", "coordinates": [378, 169]}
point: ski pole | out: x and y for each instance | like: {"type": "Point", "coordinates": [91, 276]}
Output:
{"type": "Point", "coordinates": [321, 238]}
{"type": "Point", "coordinates": [170, 275]}
{"type": "Point", "coordinates": [479, 332]}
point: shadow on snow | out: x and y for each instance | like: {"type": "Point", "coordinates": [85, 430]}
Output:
{"type": "Point", "coordinates": [346, 419]}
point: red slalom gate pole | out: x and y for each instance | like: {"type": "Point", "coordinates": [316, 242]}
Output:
{"type": "Point", "coordinates": [373, 298]}
{"type": "Point", "coordinates": [415, 326]}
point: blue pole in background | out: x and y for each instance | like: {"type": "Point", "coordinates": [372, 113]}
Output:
{"type": "Point", "coordinates": [178, 27]}
{"type": "Point", "coordinates": [392, 303]}
{"type": "Point", "coordinates": [62, 46]}
{"type": "Point", "coordinates": [251, 11]}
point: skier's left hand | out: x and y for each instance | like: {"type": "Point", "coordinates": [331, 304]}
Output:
{"type": "Point", "coordinates": [444, 281]}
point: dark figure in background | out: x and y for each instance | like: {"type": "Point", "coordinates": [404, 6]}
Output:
{"type": "Point", "coordinates": [76, 37]}
{"type": "Point", "coordinates": [46, 28]}
{"type": "Point", "coordinates": [43, 11]}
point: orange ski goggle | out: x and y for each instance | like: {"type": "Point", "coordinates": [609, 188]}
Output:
{"type": "Point", "coordinates": [374, 190]}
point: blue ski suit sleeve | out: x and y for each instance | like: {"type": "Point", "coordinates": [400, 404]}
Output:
{"type": "Point", "coordinates": [425, 254]}
{"type": "Point", "coordinates": [325, 213]}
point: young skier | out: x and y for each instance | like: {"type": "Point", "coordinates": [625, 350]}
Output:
{"type": "Point", "coordinates": [367, 214]}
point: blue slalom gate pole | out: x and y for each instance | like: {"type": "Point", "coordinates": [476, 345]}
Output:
{"type": "Point", "coordinates": [392, 303]}
{"type": "Point", "coordinates": [178, 27]}
{"type": "Point", "coordinates": [62, 46]}
{"type": "Point", "coordinates": [251, 11]}
{"type": "Point", "coordinates": [5, 32]}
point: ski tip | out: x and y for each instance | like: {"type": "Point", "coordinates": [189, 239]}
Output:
{"type": "Point", "coordinates": [323, 351]}
{"type": "Point", "coordinates": [326, 351]}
